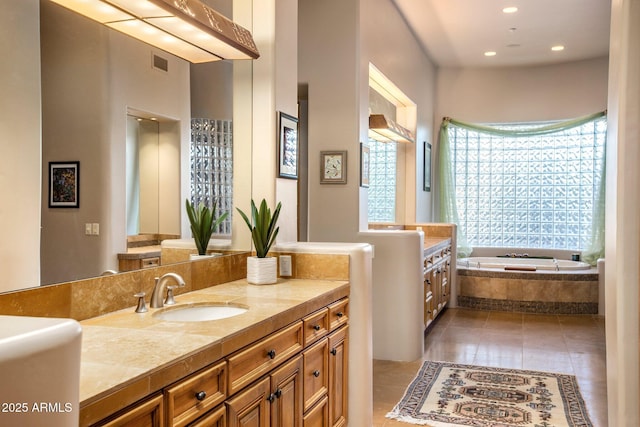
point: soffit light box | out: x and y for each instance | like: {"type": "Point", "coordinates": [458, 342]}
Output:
{"type": "Point", "coordinates": [186, 28]}
{"type": "Point", "coordinates": [385, 130]}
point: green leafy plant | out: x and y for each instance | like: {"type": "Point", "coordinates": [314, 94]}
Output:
{"type": "Point", "coordinates": [262, 226]}
{"type": "Point", "coordinates": [203, 223]}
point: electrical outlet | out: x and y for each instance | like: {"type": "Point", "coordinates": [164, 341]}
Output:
{"type": "Point", "coordinates": [95, 229]}
{"type": "Point", "coordinates": [87, 229]}
{"type": "Point", "coordinates": [285, 265]}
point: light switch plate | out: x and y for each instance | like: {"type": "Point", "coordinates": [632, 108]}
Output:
{"type": "Point", "coordinates": [87, 229]}
{"type": "Point", "coordinates": [285, 265]}
{"type": "Point", "coordinates": [95, 229]}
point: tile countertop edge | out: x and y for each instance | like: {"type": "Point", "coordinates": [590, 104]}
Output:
{"type": "Point", "coordinates": [142, 384]}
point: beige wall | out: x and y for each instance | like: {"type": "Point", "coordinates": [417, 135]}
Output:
{"type": "Point", "coordinates": [20, 145]}
{"type": "Point", "coordinates": [622, 248]}
{"type": "Point", "coordinates": [337, 41]}
{"type": "Point", "coordinates": [516, 94]}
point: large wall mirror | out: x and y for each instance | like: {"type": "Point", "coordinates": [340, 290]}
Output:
{"type": "Point", "coordinates": [98, 87]}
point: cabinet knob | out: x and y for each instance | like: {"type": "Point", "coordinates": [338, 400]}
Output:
{"type": "Point", "coordinates": [316, 373]}
{"type": "Point", "coordinates": [339, 314]}
{"type": "Point", "coordinates": [201, 395]}
{"type": "Point", "coordinates": [272, 354]}
{"type": "Point", "coordinates": [316, 327]}
{"type": "Point", "coordinates": [278, 393]}
{"type": "Point", "coordinates": [333, 351]}
{"type": "Point", "coordinates": [271, 397]}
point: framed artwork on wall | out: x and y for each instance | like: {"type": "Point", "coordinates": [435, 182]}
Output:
{"type": "Point", "coordinates": [364, 165]}
{"type": "Point", "coordinates": [333, 167]}
{"type": "Point", "coordinates": [64, 184]}
{"type": "Point", "coordinates": [427, 166]}
{"type": "Point", "coordinates": [287, 146]}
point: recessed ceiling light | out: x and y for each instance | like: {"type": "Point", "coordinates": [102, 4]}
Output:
{"type": "Point", "coordinates": [510, 9]}
{"type": "Point", "coordinates": [557, 48]}
{"type": "Point", "coordinates": [490, 53]}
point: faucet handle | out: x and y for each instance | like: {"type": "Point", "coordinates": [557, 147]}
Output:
{"type": "Point", "coordinates": [142, 307]}
{"type": "Point", "coordinates": [170, 300]}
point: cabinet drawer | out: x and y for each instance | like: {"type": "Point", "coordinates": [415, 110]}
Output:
{"type": "Point", "coordinates": [146, 414]}
{"type": "Point", "coordinates": [192, 397]}
{"type": "Point", "coordinates": [258, 359]}
{"type": "Point", "coordinates": [315, 370]}
{"type": "Point", "coordinates": [315, 325]}
{"type": "Point", "coordinates": [150, 262]}
{"type": "Point", "coordinates": [318, 416]}
{"type": "Point", "coordinates": [338, 314]}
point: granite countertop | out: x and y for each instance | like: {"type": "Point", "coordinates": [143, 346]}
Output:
{"type": "Point", "coordinates": [435, 243]}
{"type": "Point", "coordinates": [127, 356]}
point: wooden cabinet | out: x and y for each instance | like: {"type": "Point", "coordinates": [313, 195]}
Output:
{"type": "Point", "coordinates": [437, 282]}
{"type": "Point", "coordinates": [293, 377]}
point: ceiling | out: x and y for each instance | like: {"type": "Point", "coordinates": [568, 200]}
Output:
{"type": "Point", "coordinates": [456, 33]}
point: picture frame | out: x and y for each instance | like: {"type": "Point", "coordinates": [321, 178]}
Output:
{"type": "Point", "coordinates": [64, 184]}
{"type": "Point", "coordinates": [287, 146]}
{"type": "Point", "coordinates": [427, 167]}
{"type": "Point", "coordinates": [333, 167]}
{"type": "Point", "coordinates": [365, 163]}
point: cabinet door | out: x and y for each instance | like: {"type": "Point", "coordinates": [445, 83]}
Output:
{"type": "Point", "coordinates": [215, 418]}
{"type": "Point", "coordinates": [286, 395]}
{"type": "Point", "coordinates": [316, 372]}
{"type": "Point", "coordinates": [146, 414]}
{"type": "Point", "coordinates": [338, 377]}
{"type": "Point", "coordinates": [251, 408]}
{"type": "Point", "coordinates": [318, 416]}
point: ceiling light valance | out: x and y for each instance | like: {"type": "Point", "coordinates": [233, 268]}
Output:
{"type": "Point", "coordinates": [384, 129]}
{"type": "Point", "coordinates": [186, 28]}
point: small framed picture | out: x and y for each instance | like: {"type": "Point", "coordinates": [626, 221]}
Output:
{"type": "Point", "coordinates": [333, 167]}
{"type": "Point", "coordinates": [427, 166]}
{"type": "Point", "coordinates": [64, 184]}
{"type": "Point", "coordinates": [287, 146]}
{"type": "Point", "coordinates": [364, 165]}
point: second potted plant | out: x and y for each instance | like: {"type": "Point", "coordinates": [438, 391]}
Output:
{"type": "Point", "coordinates": [262, 270]}
{"type": "Point", "coordinates": [203, 224]}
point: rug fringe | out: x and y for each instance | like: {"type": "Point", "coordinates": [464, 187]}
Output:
{"type": "Point", "coordinates": [406, 418]}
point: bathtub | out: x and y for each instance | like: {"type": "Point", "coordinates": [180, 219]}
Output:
{"type": "Point", "coordinates": [529, 285]}
{"type": "Point", "coordinates": [522, 264]}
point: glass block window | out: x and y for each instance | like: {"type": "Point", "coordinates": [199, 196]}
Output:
{"type": "Point", "coordinates": [528, 192]}
{"type": "Point", "coordinates": [382, 181]}
{"type": "Point", "coordinates": [212, 166]}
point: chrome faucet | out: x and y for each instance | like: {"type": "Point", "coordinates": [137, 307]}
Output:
{"type": "Point", "coordinates": [161, 284]}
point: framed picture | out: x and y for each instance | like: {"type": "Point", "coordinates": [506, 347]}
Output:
{"type": "Point", "coordinates": [427, 166]}
{"type": "Point", "coordinates": [287, 146]}
{"type": "Point", "coordinates": [364, 165]}
{"type": "Point", "coordinates": [333, 167]}
{"type": "Point", "coordinates": [64, 184]}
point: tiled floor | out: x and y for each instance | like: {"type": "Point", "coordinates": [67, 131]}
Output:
{"type": "Point", "coordinates": [556, 343]}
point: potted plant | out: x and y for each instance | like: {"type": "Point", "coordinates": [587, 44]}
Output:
{"type": "Point", "coordinates": [203, 223]}
{"type": "Point", "coordinates": [262, 270]}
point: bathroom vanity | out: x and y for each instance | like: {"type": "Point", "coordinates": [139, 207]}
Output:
{"type": "Point", "coordinates": [285, 359]}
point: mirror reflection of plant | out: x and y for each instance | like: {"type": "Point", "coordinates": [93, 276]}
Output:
{"type": "Point", "coordinates": [203, 224]}
{"type": "Point", "coordinates": [262, 226]}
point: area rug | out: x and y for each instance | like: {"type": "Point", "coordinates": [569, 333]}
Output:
{"type": "Point", "coordinates": [449, 394]}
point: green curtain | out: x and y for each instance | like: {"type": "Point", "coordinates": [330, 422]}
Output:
{"type": "Point", "coordinates": [447, 186]}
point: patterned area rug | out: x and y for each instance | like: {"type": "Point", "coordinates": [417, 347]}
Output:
{"type": "Point", "coordinates": [448, 394]}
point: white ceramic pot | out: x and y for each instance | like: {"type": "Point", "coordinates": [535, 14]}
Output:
{"type": "Point", "coordinates": [262, 271]}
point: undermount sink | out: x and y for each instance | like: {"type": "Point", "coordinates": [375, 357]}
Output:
{"type": "Point", "coordinates": [200, 312]}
